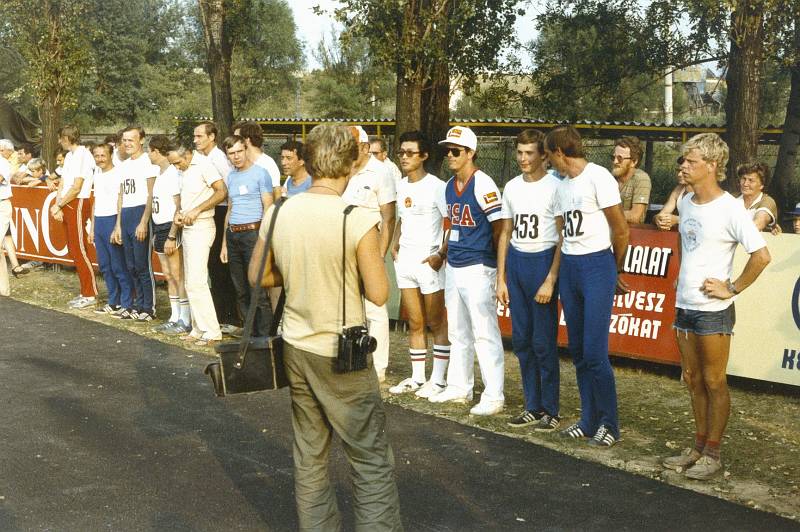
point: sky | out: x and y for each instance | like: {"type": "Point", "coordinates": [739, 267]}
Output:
{"type": "Point", "coordinates": [311, 27]}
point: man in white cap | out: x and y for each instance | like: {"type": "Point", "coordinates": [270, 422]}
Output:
{"type": "Point", "coordinates": [470, 249]}
{"type": "Point", "coordinates": [371, 187]}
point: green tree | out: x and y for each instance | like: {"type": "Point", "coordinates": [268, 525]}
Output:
{"type": "Point", "coordinates": [53, 39]}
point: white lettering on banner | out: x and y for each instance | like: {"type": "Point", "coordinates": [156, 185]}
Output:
{"type": "Point", "coordinates": [629, 325]}
{"type": "Point", "coordinates": [29, 223]}
{"type": "Point", "coordinates": [45, 226]}
{"type": "Point", "coordinates": [503, 311]}
{"type": "Point", "coordinates": [647, 301]}
{"type": "Point", "coordinates": [646, 260]}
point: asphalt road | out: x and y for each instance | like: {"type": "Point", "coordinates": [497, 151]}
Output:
{"type": "Point", "coordinates": [102, 429]}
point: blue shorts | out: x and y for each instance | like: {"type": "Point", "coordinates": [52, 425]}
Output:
{"type": "Point", "coordinates": [704, 323]}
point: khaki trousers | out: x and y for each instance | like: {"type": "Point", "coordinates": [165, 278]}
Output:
{"type": "Point", "coordinates": [5, 219]}
{"type": "Point", "coordinates": [196, 244]}
{"type": "Point", "coordinates": [349, 404]}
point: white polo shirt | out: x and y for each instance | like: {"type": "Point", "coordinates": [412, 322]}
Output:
{"type": "Point", "coordinates": [134, 174]}
{"type": "Point", "coordinates": [78, 163]}
{"type": "Point", "coordinates": [422, 208]}
{"type": "Point", "coordinates": [196, 185]}
{"type": "Point", "coordinates": [106, 192]}
{"type": "Point", "coordinates": [5, 173]}
{"type": "Point", "coordinates": [371, 187]}
{"type": "Point", "coordinates": [580, 201]}
{"type": "Point", "coordinates": [530, 206]}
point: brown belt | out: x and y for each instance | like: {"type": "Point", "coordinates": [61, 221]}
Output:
{"type": "Point", "coordinates": [241, 228]}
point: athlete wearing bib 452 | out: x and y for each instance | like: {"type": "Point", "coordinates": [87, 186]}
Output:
{"type": "Point", "coordinates": [473, 205]}
{"type": "Point", "coordinates": [527, 269]}
{"type": "Point", "coordinates": [422, 210]}
{"type": "Point", "coordinates": [712, 225]}
{"type": "Point", "coordinates": [589, 212]}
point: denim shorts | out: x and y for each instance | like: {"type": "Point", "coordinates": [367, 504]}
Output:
{"type": "Point", "coordinates": [703, 323]}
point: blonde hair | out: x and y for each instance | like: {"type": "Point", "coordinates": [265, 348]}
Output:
{"type": "Point", "coordinates": [330, 151]}
{"type": "Point", "coordinates": [37, 164]}
{"type": "Point", "coordinates": [712, 149]}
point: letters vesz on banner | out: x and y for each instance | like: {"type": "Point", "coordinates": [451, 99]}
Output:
{"type": "Point", "coordinates": [641, 320]}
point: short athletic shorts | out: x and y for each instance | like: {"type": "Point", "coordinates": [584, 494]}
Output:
{"type": "Point", "coordinates": [160, 234]}
{"type": "Point", "coordinates": [704, 323]}
{"type": "Point", "coordinates": [410, 274]}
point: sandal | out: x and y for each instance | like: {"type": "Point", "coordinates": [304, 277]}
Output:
{"type": "Point", "coordinates": [19, 270]}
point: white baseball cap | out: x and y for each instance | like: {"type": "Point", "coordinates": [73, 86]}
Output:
{"type": "Point", "coordinates": [461, 136]}
{"type": "Point", "coordinates": [359, 134]}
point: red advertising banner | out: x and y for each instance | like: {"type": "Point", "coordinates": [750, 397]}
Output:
{"type": "Point", "coordinates": [641, 320]}
{"type": "Point", "coordinates": [37, 236]}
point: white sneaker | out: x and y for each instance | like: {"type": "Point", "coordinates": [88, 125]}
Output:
{"type": "Point", "coordinates": [487, 408]}
{"type": "Point", "coordinates": [452, 394]}
{"type": "Point", "coordinates": [429, 389]}
{"type": "Point", "coordinates": [84, 302]}
{"type": "Point", "coordinates": [74, 300]}
{"type": "Point", "coordinates": [405, 386]}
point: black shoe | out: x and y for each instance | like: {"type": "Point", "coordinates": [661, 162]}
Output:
{"type": "Point", "coordinates": [603, 438]}
{"type": "Point", "coordinates": [525, 418]}
{"type": "Point", "coordinates": [126, 314]}
{"type": "Point", "coordinates": [145, 316]}
{"type": "Point", "coordinates": [19, 270]}
{"type": "Point", "coordinates": [548, 423]}
{"type": "Point", "coordinates": [573, 431]}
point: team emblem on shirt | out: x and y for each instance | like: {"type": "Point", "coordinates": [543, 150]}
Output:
{"type": "Point", "coordinates": [407, 202]}
{"type": "Point", "coordinates": [690, 234]}
{"type": "Point", "coordinates": [491, 197]}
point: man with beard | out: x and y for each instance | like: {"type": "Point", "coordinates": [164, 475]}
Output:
{"type": "Point", "coordinates": [634, 183]}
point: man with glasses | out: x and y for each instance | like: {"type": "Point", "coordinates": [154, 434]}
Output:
{"type": "Point", "coordinates": [634, 183]}
{"type": "Point", "coordinates": [379, 150]}
{"type": "Point", "coordinates": [421, 212]}
{"type": "Point", "coordinates": [474, 208]}
{"type": "Point", "coordinates": [372, 188]}
{"type": "Point", "coordinates": [712, 225]}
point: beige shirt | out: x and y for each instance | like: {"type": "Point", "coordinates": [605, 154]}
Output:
{"type": "Point", "coordinates": [635, 190]}
{"type": "Point", "coordinates": [196, 185]}
{"type": "Point", "coordinates": [307, 244]}
{"type": "Point", "coordinates": [763, 203]}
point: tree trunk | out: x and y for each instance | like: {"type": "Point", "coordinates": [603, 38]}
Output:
{"type": "Point", "coordinates": [408, 107]}
{"type": "Point", "coordinates": [50, 114]}
{"type": "Point", "coordinates": [436, 114]}
{"type": "Point", "coordinates": [785, 166]}
{"type": "Point", "coordinates": [219, 49]}
{"type": "Point", "coordinates": [745, 67]}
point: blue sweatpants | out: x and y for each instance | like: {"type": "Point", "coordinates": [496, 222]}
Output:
{"type": "Point", "coordinates": [534, 328]}
{"type": "Point", "coordinates": [137, 259]}
{"type": "Point", "coordinates": [111, 259]}
{"type": "Point", "coordinates": [586, 284]}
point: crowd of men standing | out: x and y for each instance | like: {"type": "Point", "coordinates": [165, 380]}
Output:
{"type": "Point", "coordinates": [558, 230]}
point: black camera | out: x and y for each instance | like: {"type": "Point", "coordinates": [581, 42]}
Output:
{"type": "Point", "coordinates": [355, 344]}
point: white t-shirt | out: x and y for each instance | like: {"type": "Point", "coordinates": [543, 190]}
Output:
{"type": "Point", "coordinates": [220, 162]}
{"type": "Point", "coordinates": [371, 187]}
{"type": "Point", "coordinates": [422, 208]}
{"type": "Point", "coordinates": [530, 207]}
{"type": "Point", "coordinates": [196, 185]}
{"type": "Point", "coordinates": [134, 174]}
{"type": "Point", "coordinates": [709, 235]}
{"type": "Point", "coordinates": [106, 192]}
{"type": "Point", "coordinates": [166, 187]}
{"type": "Point", "coordinates": [580, 201]}
{"type": "Point", "coordinates": [78, 163]}
{"type": "Point", "coordinates": [5, 185]}
{"type": "Point", "coordinates": [394, 171]}
{"type": "Point", "coordinates": [268, 163]}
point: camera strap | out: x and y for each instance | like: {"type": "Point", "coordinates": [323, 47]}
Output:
{"type": "Point", "coordinates": [347, 211]}
{"type": "Point", "coordinates": [256, 294]}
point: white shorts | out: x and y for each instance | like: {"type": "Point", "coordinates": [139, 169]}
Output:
{"type": "Point", "coordinates": [419, 275]}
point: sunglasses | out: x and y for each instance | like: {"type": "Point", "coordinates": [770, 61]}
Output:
{"type": "Point", "coordinates": [407, 153]}
{"type": "Point", "coordinates": [455, 152]}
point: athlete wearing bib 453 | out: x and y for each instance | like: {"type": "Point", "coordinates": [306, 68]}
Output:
{"type": "Point", "coordinates": [528, 260]}
{"type": "Point", "coordinates": [589, 210]}
{"type": "Point", "coordinates": [473, 205]}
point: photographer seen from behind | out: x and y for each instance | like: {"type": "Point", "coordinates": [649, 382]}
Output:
{"type": "Point", "coordinates": [328, 394]}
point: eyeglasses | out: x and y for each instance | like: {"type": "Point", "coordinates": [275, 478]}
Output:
{"type": "Point", "coordinates": [455, 152]}
{"type": "Point", "coordinates": [407, 153]}
{"type": "Point", "coordinates": [620, 158]}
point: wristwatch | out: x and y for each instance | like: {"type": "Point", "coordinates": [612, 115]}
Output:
{"type": "Point", "coordinates": [170, 237]}
{"type": "Point", "coordinates": [732, 288]}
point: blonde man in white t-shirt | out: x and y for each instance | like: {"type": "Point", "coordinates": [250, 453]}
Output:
{"type": "Point", "coordinates": [528, 257]}
{"type": "Point", "coordinates": [595, 239]}
{"type": "Point", "coordinates": [712, 225]}
{"type": "Point", "coordinates": [372, 188]}
{"type": "Point", "coordinates": [70, 208]}
{"type": "Point", "coordinates": [421, 213]}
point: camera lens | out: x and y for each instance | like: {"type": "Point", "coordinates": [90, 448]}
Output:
{"type": "Point", "coordinates": [368, 344]}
